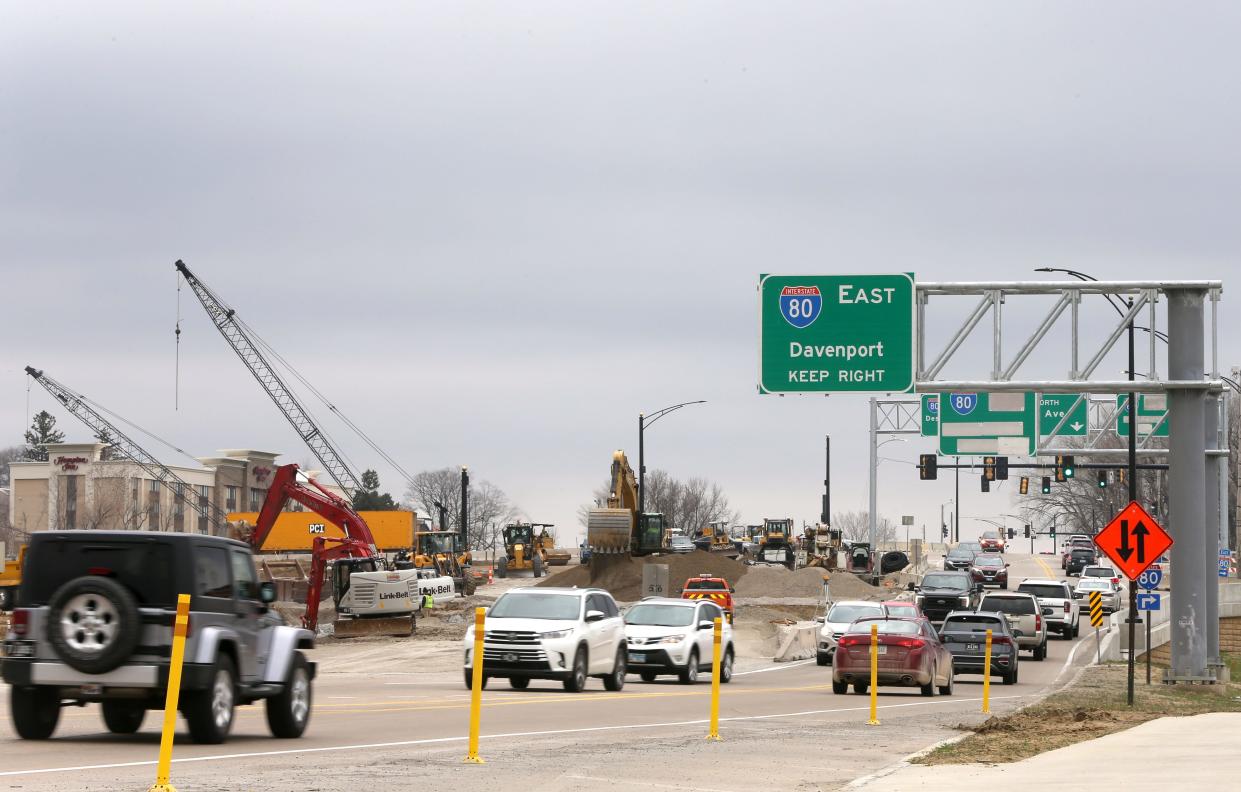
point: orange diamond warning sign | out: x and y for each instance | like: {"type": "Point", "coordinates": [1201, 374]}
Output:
{"type": "Point", "coordinates": [1133, 540]}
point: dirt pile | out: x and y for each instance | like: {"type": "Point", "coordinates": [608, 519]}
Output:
{"type": "Point", "coordinates": [622, 575]}
{"type": "Point", "coordinates": [769, 581]}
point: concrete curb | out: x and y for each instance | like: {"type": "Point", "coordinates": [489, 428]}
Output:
{"type": "Point", "coordinates": [906, 761]}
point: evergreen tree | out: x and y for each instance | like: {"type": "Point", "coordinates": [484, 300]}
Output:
{"type": "Point", "coordinates": [369, 498]}
{"type": "Point", "coordinates": [42, 431]}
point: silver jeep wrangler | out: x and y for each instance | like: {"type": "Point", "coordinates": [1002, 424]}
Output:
{"type": "Point", "coordinates": [93, 623]}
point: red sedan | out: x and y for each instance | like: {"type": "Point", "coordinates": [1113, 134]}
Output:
{"type": "Point", "coordinates": [991, 542]}
{"type": "Point", "coordinates": [909, 655]}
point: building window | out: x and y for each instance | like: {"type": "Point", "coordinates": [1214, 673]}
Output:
{"type": "Point", "coordinates": [256, 498]}
{"type": "Point", "coordinates": [135, 503]}
{"type": "Point", "coordinates": [71, 502]}
{"type": "Point", "coordinates": [230, 499]}
{"type": "Point", "coordinates": [153, 505]}
{"type": "Point", "coordinates": [204, 497]}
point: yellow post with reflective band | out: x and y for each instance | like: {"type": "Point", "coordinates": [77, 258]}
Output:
{"type": "Point", "coordinates": [476, 685]}
{"type": "Point", "coordinates": [986, 677]}
{"type": "Point", "coordinates": [714, 734]}
{"type": "Point", "coordinates": [180, 628]}
{"type": "Point", "coordinates": [874, 675]}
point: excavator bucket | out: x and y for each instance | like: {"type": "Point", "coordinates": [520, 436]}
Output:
{"type": "Point", "coordinates": [609, 531]}
{"type": "Point", "coordinates": [399, 626]}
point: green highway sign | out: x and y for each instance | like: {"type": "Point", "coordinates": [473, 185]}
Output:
{"type": "Point", "coordinates": [836, 333]}
{"type": "Point", "coordinates": [987, 423]}
{"type": "Point", "coordinates": [1151, 408]}
{"type": "Point", "coordinates": [1053, 406]}
{"type": "Point", "coordinates": [930, 415]}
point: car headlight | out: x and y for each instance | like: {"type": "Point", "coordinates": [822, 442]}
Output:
{"type": "Point", "coordinates": [965, 599]}
{"type": "Point", "coordinates": [672, 639]}
{"type": "Point", "coordinates": [554, 634]}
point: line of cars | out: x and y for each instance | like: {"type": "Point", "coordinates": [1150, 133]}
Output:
{"type": "Point", "coordinates": [572, 634]}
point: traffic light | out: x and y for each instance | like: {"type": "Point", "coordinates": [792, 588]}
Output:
{"type": "Point", "coordinates": [988, 469]}
{"type": "Point", "coordinates": [1001, 468]}
{"type": "Point", "coordinates": [1027, 530]}
{"type": "Point", "coordinates": [1046, 485]}
{"type": "Point", "coordinates": [1025, 485]}
{"type": "Point", "coordinates": [1012, 533]}
{"type": "Point", "coordinates": [1102, 479]}
{"type": "Point", "coordinates": [986, 483]}
{"type": "Point", "coordinates": [928, 467]}
{"type": "Point", "coordinates": [1121, 475]}
{"type": "Point", "coordinates": [943, 530]}
{"type": "Point", "coordinates": [1064, 467]}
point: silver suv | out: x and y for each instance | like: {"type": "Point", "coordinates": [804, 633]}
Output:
{"type": "Point", "coordinates": [1025, 618]}
{"type": "Point", "coordinates": [93, 623]}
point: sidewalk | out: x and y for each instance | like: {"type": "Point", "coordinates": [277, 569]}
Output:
{"type": "Point", "coordinates": [1160, 755]}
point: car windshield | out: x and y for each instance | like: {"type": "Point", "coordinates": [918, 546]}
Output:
{"type": "Point", "coordinates": [988, 561]}
{"type": "Point", "coordinates": [1098, 584]}
{"type": "Point", "coordinates": [536, 606]}
{"type": "Point", "coordinates": [1083, 553]}
{"type": "Point", "coordinates": [990, 535]}
{"type": "Point", "coordinates": [886, 627]}
{"type": "Point", "coordinates": [681, 541]}
{"type": "Point", "coordinates": [1044, 590]}
{"type": "Point", "coordinates": [1097, 571]}
{"type": "Point", "coordinates": [960, 552]}
{"type": "Point", "coordinates": [652, 615]}
{"type": "Point", "coordinates": [848, 613]}
{"type": "Point", "coordinates": [1014, 605]}
{"type": "Point", "coordinates": [975, 546]}
{"type": "Point", "coordinates": [945, 581]}
{"type": "Point", "coordinates": [972, 624]}
{"type": "Point", "coordinates": [906, 609]}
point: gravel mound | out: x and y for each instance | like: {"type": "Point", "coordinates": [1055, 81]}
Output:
{"type": "Point", "coordinates": [622, 575]}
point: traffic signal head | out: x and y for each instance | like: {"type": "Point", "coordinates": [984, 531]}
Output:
{"type": "Point", "coordinates": [1012, 533]}
{"type": "Point", "coordinates": [986, 483]}
{"type": "Point", "coordinates": [1102, 479]}
{"type": "Point", "coordinates": [1001, 468]}
{"type": "Point", "coordinates": [988, 469]}
{"type": "Point", "coordinates": [1121, 475]}
{"type": "Point", "coordinates": [928, 467]}
{"type": "Point", "coordinates": [1025, 485]}
{"type": "Point", "coordinates": [1046, 485]}
{"type": "Point", "coordinates": [1027, 530]}
{"type": "Point", "coordinates": [1067, 465]}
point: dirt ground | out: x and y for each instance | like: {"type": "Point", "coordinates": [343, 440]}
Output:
{"type": "Point", "coordinates": [1093, 706]}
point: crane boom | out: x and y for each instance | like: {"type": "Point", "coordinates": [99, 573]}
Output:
{"type": "Point", "coordinates": [76, 404]}
{"type": "Point", "coordinates": [225, 321]}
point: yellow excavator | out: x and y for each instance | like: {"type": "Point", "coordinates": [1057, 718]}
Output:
{"type": "Point", "coordinates": [618, 529]}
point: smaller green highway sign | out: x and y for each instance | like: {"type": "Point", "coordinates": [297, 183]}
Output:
{"type": "Point", "coordinates": [836, 333]}
{"type": "Point", "coordinates": [1054, 406]}
{"type": "Point", "coordinates": [930, 415]}
{"type": "Point", "coordinates": [1152, 407]}
{"type": "Point", "coordinates": [987, 423]}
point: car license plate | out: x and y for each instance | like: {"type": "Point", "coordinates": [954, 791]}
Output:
{"type": "Point", "coordinates": [637, 657]}
{"type": "Point", "coordinates": [971, 647]}
{"type": "Point", "coordinates": [92, 690]}
{"type": "Point", "coordinates": [881, 650]}
{"type": "Point", "coordinates": [20, 649]}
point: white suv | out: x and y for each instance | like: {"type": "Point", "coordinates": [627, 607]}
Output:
{"type": "Point", "coordinates": [552, 633]}
{"type": "Point", "coordinates": [677, 636]}
{"type": "Point", "coordinates": [1055, 594]}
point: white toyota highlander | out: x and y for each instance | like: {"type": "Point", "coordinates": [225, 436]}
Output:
{"type": "Point", "coordinates": [567, 634]}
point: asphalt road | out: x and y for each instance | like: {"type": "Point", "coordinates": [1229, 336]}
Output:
{"type": "Point", "coordinates": [648, 736]}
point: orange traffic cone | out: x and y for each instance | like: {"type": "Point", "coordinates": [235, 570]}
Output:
{"type": "Point", "coordinates": [490, 576]}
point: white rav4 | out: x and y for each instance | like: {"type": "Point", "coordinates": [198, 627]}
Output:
{"type": "Point", "coordinates": [567, 634]}
{"type": "Point", "coordinates": [677, 636]}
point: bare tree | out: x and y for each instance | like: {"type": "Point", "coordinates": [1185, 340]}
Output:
{"type": "Point", "coordinates": [665, 495]}
{"type": "Point", "coordinates": [11, 454]}
{"type": "Point", "coordinates": [489, 508]}
{"type": "Point", "coordinates": [598, 501]}
{"type": "Point", "coordinates": [855, 526]}
{"type": "Point", "coordinates": [703, 502]}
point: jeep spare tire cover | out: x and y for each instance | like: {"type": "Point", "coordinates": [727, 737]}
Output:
{"type": "Point", "coordinates": [93, 624]}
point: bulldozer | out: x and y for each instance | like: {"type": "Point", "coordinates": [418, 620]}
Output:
{"type": "Point", "coordinates": [547, 542]}
{"type": "Point", "coordinates": [776, 545]}
{"type": "Point", "coordinates": [522, 551]}
{"type": "Point", "coordinates": [618, 529]}
{"type": "Point", "coordinates": [440, 550]}
{"type": "Point", "coordinates": [715, 538]}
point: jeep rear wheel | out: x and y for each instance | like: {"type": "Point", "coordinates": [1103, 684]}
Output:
{"type": "Point", "coordinates": [35, 711]}
{"type": "Point", "coordinates": [288, 713]}
{"type": "Point", "coordinates": [210, 712]}
{"type": "Point", "coordinates": [93, 624]}
{"type": "Point", "coordinates": [123, 717]}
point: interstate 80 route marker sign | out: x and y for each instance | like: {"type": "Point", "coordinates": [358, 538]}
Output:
{"type": "Point", "coordinates": [836, 333]}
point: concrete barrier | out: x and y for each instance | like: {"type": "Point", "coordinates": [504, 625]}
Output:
{"type": "Point", "coordinates": [796, 641]}
{"type": "Point", "coordinates": [1161, 628]}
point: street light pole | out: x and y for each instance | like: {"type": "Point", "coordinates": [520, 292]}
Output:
{"type": "Point", "coordinates": [643, 422]}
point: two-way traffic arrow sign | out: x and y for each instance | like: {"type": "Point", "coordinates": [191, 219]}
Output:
{"type": "Point", "coordinates": [1133, 540]}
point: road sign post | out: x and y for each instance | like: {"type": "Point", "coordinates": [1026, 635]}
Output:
{"type": "Point", "coordinates": [836, 333]}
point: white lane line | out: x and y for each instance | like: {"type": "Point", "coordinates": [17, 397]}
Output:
{"type": "Point", "coordinates": [780, 667]}
{"type": "Point", "coordinates": [341, 697]}
{"type": "Point", "coordinates": [507, 735]}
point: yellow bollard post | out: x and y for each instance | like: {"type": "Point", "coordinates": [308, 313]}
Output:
{"type": "Point", "coordinates": [986, 677]}
{"type": "Point", "coordinates": [179, 629]}
{"type": "Point", "coordinates": [874, 675]}
{"type": "Point", "coordinates": [714, 734]}
{"type": "Point", "coordinates": [476, 684]}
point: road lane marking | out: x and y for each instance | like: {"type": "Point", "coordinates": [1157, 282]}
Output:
{"type": "Point", "coordinates": [505, 735]}
{"type": "Point", "coordinates": [1046, 568]}
{"type": "Point", "coordinates": [780, 667]}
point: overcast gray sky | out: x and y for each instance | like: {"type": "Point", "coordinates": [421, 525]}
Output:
{"type": "Point", "coordinates": [495, 232]}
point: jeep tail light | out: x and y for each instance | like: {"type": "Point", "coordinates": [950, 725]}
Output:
{"type": "Point", "coordinates": [21, 622]}
{"type": "Point", "coordinates": [1038, 622]}
{"type": "Point", "coordinates": [1066, 607]}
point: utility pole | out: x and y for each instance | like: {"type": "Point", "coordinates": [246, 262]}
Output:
{"type": "Point", "coordinates": [641, 465]}
{"type": "Point", "coordinates": [1133, 496]}
{"type": "Point", "coordinates": [826, 516]}
{"type": "Point", "coordinates": [956, 528]}
{"type": "Point", "coordinates": [465, 508]}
